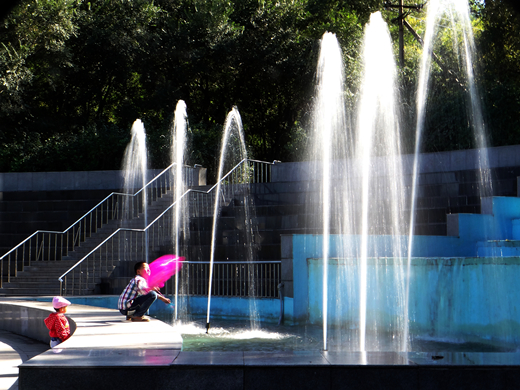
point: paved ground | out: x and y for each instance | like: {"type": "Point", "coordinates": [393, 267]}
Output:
{"type": "Point", "coordinates": [101, 337]}
{"type": "Point", "coordinates": [14, 350]}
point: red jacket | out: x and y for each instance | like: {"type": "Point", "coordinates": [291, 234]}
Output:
{"type": "Point", "coordinates": [58, 326]}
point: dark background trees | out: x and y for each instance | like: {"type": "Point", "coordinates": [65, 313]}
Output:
{"type": "Point", "coordinates": [74, 75]}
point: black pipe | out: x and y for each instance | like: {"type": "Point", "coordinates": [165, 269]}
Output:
{"type": "Point", "coordinates": [280, 295]}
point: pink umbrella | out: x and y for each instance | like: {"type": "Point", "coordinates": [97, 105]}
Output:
{"type": "Point", "coordinates": [163, 269]}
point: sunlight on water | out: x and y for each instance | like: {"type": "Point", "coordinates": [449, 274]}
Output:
{"type": "Point", "coordinates": [233, 124]}
{"type": "Point", "coordinates": [383, 200]}
{"type": "Point", "coordinates": [230, 333]}
{"type": "Point", "coordinates": [328, 143]}
{"type": "Point", "coordinates": [178, 150]}
{"type": "Point", "coordinates": [256, 334]}
{"type": "Point", "coordinates": [455, 15]}
{"type": "Point", "coordinates": [234, 336]}
{"type": "Point", "coordinates": [135, 165]}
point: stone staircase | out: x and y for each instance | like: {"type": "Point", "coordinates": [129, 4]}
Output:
{"type": "Point", "coordinates": [280, 208]}
{"type": "Point", "coordinates": [24, 212]}
{"type": "Point", "coordinates": [41, 277]}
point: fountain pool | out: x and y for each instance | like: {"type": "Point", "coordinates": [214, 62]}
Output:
{"type": "Point", "coordinates": [233, 335]}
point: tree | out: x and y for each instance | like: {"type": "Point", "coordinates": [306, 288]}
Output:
{"type": "Point", "coordinates": [498, 43]}
{"type": "Point", "coordinates": [74, 75]}
{"type": "Point", "coordinates": [33, 56]}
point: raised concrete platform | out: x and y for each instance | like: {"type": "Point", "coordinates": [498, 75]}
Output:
{"type": "Point", "coordinates": [155, 369]}
{"type": "Point", "coordinates": [107, 352]}
{"type": "Point", "coordinates": [102, 338]}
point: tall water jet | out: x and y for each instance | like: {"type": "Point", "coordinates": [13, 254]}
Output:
{"type": "Point", "coordinates": [457, 13]}
{"type": "Point", "coordinates": [361, 194]}
{"type": "Point", "coordinates": [378, 152]}
{"type": "Point", "coordinates": [330, 147]}
{"type": "Point", "coordinates": [135, 165]}
{"type": "Point", "coordinates": [236, 189]}
{"type": "Point", "coordinates": [179, 131]}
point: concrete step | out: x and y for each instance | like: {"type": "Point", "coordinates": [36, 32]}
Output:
{"type": "Point", "coordinates": [45, 284]}
{"type": "Point", "coordinates": [42, 277]}
{"type": "Point", "coordinates": [29, 292]}
{"type": "Point", "coordinates": [502, 248]}
{"type": "Point", "coordinates": [39, 266]}
{"type": "Point", "coordinates": [38, 276]}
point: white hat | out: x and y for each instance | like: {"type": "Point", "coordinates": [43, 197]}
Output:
{"type": "Point", "coordinates": [58, 302]}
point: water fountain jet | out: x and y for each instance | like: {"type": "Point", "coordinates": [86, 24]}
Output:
{"type": "Point", "coordinates": [135, 165]}
{"type": "Point", "coordinates": [461, 30]}
{"type": "Point", "coordinates": [233, 153]}
{"type": "Point", "coordinates": [378, 135]}
{"type": "Point", "coordinates": [179, 131]}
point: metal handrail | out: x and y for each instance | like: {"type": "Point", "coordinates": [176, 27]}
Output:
{"type": "Point", "coordinates": [259, 279]}
{"type": "Point", "coordinates": [119, 193]}
{"type": "Point", "coordinates": [76, 231]}
{"type": "Point", "coordinates": [233, 262]}
{"type": "Point", "coordinates": [117, 231]}
{"type": "Point", "coordinates": [62, 278]}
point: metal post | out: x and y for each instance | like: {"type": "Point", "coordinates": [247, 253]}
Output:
{"type": "Point", "coordinates": [400, 19]}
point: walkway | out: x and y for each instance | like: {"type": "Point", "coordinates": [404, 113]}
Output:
{"type": "Point", "coordinates": [102, 338]}
{"type": "Point", "coordinates": [14, 350]}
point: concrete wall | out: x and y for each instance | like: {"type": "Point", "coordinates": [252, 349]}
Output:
{"type": "Point", "coordinates": [456, 299]}
{"type": "Point", "coordinates": [503, 156]}
{"type": "Point", "coordinates": [81, 180]}
{"type": "Point", "coordinates": [235, 307]}
{"type": "Point", "coordinates": [26, 319]}
{"type": "Point", "coordinates": [453, 161]}
{"type": "Point", "coordinates": [229, 308]}
{"type": "Point", "coordinates": [51, 181]}
{"type": "Point", "coordinates": [453, 294]}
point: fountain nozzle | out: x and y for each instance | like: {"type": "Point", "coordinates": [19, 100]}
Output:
{"type": "Point", "coordinates": [207, 327]}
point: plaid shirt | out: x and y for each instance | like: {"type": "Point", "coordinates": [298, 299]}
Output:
{"type": "Point", "coordinates": [137, 287]}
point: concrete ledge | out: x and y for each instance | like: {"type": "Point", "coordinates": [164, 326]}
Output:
{"type": "Point", "coordinates": [82, 180]}
{"type": "Point", "coordinates": [92, 327]}
{"type": "Point", "coordinates": [277, 370]}
{"type": "Point", "coordinates": [101, 338]}
{"type": "Point", "coordinates": [26, 319]}
{"type": "Point", "coordinates": [97, 357]}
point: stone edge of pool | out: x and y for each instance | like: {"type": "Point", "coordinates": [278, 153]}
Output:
{"type": "Point", "coordinates": [108, 352]}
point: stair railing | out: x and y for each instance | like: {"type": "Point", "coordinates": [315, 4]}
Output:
{"type": "Point", "coordinates": [126, 244]}
{"type": "Point", "coordinates": [44, 245]}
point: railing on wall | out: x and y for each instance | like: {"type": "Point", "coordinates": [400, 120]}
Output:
{"type": "Point", "coordinates": [54, 246]}
{"type": "Point", "coordinates": [230, 279]}
{"type": "Point", "coordinates": [126, 244]}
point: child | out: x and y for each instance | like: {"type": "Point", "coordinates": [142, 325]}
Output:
{"type": "Point", "coordinates": [137, 297]}
{"type": "Point", "coordinates": [57, 323]}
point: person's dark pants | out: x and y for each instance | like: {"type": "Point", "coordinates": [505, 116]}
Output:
{"type": "Point", "coordinates": [141, 304]}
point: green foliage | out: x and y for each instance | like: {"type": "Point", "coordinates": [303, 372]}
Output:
{"type": "Point", "coordinates": [75, 74]}
{"type": "Point", "coordinates": [499, 45]}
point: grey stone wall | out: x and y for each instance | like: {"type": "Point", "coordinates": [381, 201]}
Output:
{"type": "Point", "coordinates": [81, 180]}
{"type": "Point", "coordinates": [454, 161]}
{"type": "Point", "coordinates": [26, 319]}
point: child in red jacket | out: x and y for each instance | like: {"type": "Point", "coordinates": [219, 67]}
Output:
{"type": "Point", "coordinates": [57, 323]}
